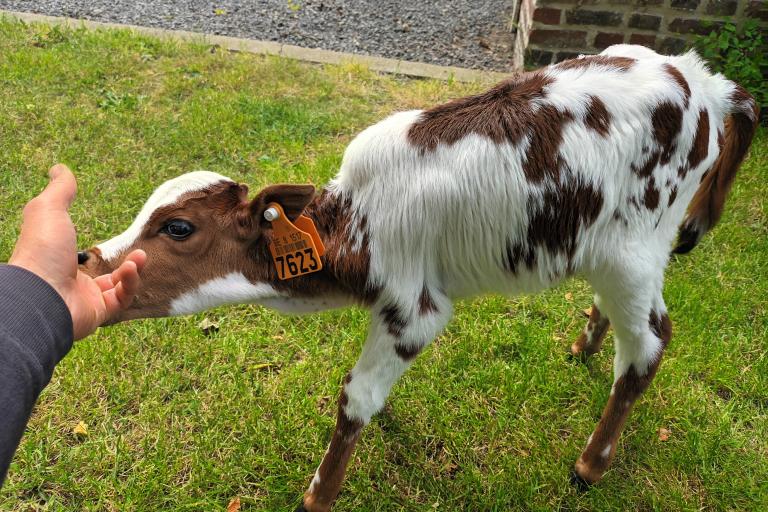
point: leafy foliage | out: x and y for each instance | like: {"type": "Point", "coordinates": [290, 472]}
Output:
{"type": "Point", "coordinates": [740, 55]}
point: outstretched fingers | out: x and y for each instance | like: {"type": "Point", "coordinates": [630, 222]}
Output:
{"type": "Point", "coordinates": [120, 287]}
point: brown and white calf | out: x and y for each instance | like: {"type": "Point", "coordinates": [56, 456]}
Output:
{"type": "Point", "coordinates": [583, 168]}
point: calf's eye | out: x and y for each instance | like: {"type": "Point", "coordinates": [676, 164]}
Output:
{"type": "Point", "coordinates": [178, 229]}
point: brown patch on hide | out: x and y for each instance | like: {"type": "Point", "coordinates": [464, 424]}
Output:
{"type": "Point", "coordinates": [407, 352]}
{"type": "Point", "coordinates": [672, 196]}
{"type": "Point", "coordinates": [501, 114]}
{"type": "Point", "coordinates": [565, 211]}
{"type": "Point", "coordinates": [597, 116]}
{"type": "Point", "coordinates": [426, 304]}
{"type": "Point", "coordinates": [700, 145]}
{"type": "Point", "coordinates": [646, 169]}
{"type": "Point", "coordinates": [592, 464]}
{"type": "Point", "coordinates": [651, 195]}
{"type": "Point", "coordinates": [334, 465]}
{"type": "Point", "coordinates": [661, 327]}
{"type": "Point", "coordinates": [542, 159]}
{"type": "Point", "coordinates": [505, 113]}
{"type": "Point", "coordinates": [667, 120]}
{"type": "Point", "coordinates": [393, 319]}
{"type": "Point", "coordinates": [615, 63]}
{"type": "Point", "coordinates": [678, 77]}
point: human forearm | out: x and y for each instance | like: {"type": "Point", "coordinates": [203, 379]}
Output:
{"type": "Point", "coordinates": [35, 334]}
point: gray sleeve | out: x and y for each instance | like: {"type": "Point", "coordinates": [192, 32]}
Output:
{"type": "Point", "coordinates": [35, 334]}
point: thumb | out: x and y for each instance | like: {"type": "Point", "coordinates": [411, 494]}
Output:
{"type": "Point", "coordinates": [61, 190]}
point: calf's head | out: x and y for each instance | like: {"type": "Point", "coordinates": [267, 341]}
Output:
{"type": "Point", "coordinates": [202, 236]}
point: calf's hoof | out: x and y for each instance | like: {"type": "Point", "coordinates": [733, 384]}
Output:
{"type": "Point", "coordinates": [575, 354]}
{"type": "Point", "coordinates": [578, 482]}
{"type": "Point", "coordinates": [301, 508]}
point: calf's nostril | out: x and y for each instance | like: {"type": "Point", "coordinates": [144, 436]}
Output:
{"type": "Point", "coordinates": [82, 257]}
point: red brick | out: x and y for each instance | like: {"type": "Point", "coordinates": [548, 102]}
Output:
{"type": "Point", "coordinates": [559, 38]}
{"type": "Point", "coordinates": [561, 56]}
{"type": "Point", "coordinates": [672, 46]}
{"type": "Point", "coordinates": [689, 5]}
{"type": "Point", "coordinates": [606, 39]}
{"type": "Point", "coordinates": [643, 39]}
{"type": "Point", "coordinates": [721, 7]}
{"type": "Point", "coordinates": [644, 21]}
{"type": "Point", "coordinates": [690, 26]}
{"type": "Point", "coordinates": [536, 58]}
{"type": "Point", "coordinates": [585, 17]}
{"type": "Point", "coordinates": [547, 15]}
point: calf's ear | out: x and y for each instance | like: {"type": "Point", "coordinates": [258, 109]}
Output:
{"type": "Point", "coordinates": [292, 198]}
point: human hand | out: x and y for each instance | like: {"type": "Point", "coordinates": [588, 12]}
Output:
{"type": "Point", "coordinates": [47, 247]}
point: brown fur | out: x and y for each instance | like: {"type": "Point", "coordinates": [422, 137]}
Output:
{"type": "Point", "coordinates": [597, 116]}
{"type": "Point", "coordinates": [236, 240]}
{"type": "Point", "coordinates": [667, 119]}
{"type": "Point", "coordinates": [651, 195]}
{"type": "Point", "coordinates": [426, 304]}
{"type": "Point", "coordinates": [500, 114]}
{"type": "Point", "coordinates": [700, 146]}
{"type": "Point", "coordinates": [334, 464]}
{"type": "Point", "coordinates": [646, 169]}
{"type": "Point", "coordinates": [394, 321]}
{"type": "Point", "coordinates": [678, 77]}
{"type": "Point", "coordinates": [556, 223]}
{"type": "Point", "coordinates": [591, 464]}
{"type": "Point", "coordinates": [617, 63]}
{"type": "Point", "coordinates": [672, 196]}
{"type": "Point", "coordinates": [598, 326]}
{"type": "Point", "coordinates": [705, 209]}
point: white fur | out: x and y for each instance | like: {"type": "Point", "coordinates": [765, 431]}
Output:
{"type": "Point", "coordinates": [233, 288]}
{"type": "Point", "coordinates": [164, 195]}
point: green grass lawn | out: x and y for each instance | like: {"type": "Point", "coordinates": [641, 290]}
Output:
{"type": "Point", "coordinates": [491, 416]}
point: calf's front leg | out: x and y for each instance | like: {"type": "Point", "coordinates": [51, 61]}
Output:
{"type": "Point", "coordinates": [397, 334]}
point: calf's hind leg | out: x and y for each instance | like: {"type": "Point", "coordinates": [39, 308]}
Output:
{"type": "Point", "coordinates": [642, 330]}
{"type": "Point", "coordinates": [397, 334]}
{"type": "Point", "coordinates": [590, 341]}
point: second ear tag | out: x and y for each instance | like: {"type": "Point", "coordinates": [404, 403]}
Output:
{"type": "Point", "coordinates": [294, 251]}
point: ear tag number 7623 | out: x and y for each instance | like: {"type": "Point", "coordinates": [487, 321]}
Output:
{"type": "Point", "coordinates": [295, 251]}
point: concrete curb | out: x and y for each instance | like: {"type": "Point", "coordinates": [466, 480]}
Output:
{"type": "Point", "coordinates": [393, 66]}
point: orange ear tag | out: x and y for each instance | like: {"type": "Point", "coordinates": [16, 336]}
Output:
{"type": "Point", "coordinates": [295, 251]}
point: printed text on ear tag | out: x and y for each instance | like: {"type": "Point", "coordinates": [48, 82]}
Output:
{"type": "Point", "coordinates": [294, 251]}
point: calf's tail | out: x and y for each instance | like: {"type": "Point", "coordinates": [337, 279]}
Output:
{"type": "Point", "coordinates": [706, 207]}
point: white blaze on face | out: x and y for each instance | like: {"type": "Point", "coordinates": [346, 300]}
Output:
{"type": "Point", "coordinates": [233, 288]}
{"type": "Point", "coordinates": [165, 194]}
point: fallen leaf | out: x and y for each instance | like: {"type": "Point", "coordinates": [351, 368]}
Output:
{"type": "Point", "coordinates": [569, 296]}
{"type": "Point", "coordinates": [221, 12]}
{"type": "Point", "coordinates": [234, 505]}
{"type": "Point", "coordinates": [587, 312]}
{"type": "Point", "coordinates": [81, 429]}
{"type": "Point", "coordinates": [663, 434]}
{"type": "Point", "coordinates": [208, 326]}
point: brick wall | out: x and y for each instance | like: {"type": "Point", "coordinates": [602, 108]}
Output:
{"type": "Point", "coordinates": [562, 29]}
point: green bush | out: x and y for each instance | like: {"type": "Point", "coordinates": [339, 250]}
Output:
{"type": "Point", "coordinates": [740, 55]}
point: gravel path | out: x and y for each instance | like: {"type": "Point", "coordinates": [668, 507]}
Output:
{"type": "Point", "coordinates": [466, 33]}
